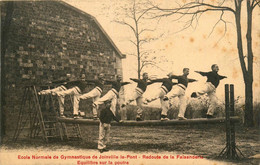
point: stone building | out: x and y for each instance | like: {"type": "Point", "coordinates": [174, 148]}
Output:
{"type": "Point", "coordinates": [45, 40]}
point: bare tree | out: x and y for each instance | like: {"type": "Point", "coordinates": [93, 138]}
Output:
{"type": "Point", "coordinates": [134, 19]}
{"type": "Point", "coordinates": [196, 8]}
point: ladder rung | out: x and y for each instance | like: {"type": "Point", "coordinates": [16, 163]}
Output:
{"type": "Point", "coordinates": [50, 121]}
{"type": "Point", "coordinates": [24, 128]}
{"type": "Point", "coordinates": [52, 136]}
{"type": "Point", "coordinates": [47, 129]}
{"type": "Point", "coordinates": [23, 123]}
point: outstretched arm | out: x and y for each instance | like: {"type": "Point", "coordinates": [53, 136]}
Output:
{"type": "Point", "coordinates": [175, 77]}
{"type": "Point", "coordinates": [109, 82]}
{"type": "Point", "coordinates": [135, 80]}
{"type": "Point", "coordinates": [202, 73]}
{"type": "Point", "coordinates": [91, 81]}
{"type": "Point", "coordinates": [192, 80]}
{"type": "Point", "coordinates": [58, 81]}
{"type": "Point", "coordinates": [158, 80]}
{"type": "Point", "coordinates": [150, 82]}
{"type": "Point", "coordinates": [222, 77]}
{"type": "Point", "coordinates": [124, 83]}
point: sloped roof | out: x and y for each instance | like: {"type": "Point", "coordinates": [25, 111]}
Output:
{"type": "Point", "coordinates": [98, 24]}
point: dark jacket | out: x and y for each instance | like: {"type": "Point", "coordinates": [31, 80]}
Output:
{"type": "Point", "coordinates": [79, 83]}
{"type": "Point", "coordinates": [184, 80]}
{"type": "Point", "coordinates": [106, 116]}
{"type": "Point", "coordinates": [141, 83]}
{"type": "Point", "coordinates": [117, 85]}
{"type": "Point", "coordinates": [212, 77]}
{"type": "Point", "coordinates": [97, 83]}
{"type": "Point", "coordinates": [167, 82]}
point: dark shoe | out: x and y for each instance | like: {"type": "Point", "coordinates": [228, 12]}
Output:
{"type": "Point", "coordinates": [95, 118]}
{"type": "Point", "coordinates": [123, 105]}
{"type": "Point", "coordinates": [145, 102]}
{"type": "Point", "coordinates": [210, 116]}
{"type": "Point", "coordinates": [62, 116]}
{"type": "Point", "coordinates": [82, 114]}
{"type": "Point", "coordinates": [182, 118]}
{"type": "Point", "coordinates": [194, 95]}
{"type": "Point", "coordinates": [139, 119]}
{"type": "Point", "coordinates": [165, 98]}
{"type": "Point", "coordinates": [77, 117]}
{"type": "Point", "coordinates": [164, 118]}
{"type": "Point", "coordinates": [103, 150]}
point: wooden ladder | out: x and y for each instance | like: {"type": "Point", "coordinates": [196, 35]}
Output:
{"type": "Point", "coordinates": [71, 131]}
{"type": "Point", "coordinates": [33, 118]}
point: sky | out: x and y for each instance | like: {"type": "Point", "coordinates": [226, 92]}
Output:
{"type": "Point", "coordinates": [196, 48]}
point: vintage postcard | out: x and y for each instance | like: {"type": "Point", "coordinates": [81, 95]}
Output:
{"type": "Point", "coordinates": [130, 82]}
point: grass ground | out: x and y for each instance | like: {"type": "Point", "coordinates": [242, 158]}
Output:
{"type": "Point", "coordinates": [204, 140]}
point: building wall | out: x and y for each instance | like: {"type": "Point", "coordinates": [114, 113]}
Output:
{"type": "Point", "coordinates": [48, 40]}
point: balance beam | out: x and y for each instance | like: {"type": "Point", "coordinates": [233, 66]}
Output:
{"type": "Point", "coordinates": [234, 119]}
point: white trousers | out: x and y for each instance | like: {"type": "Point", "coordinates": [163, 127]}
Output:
{"type": "Point", "coordinates": [75, 91]}
{"type": "Point", "coordinates": [179, 92]}
{"type": "Point", "coordinates": [95, 95]}
{"type": "Point", "coordinates": [110, 95]}
{"type": "Point", "coordinates": [121, 100]}
{"type": "Point", "coordinates": [210, 90]}
{"type": "Point", "coordinates": [138, 97]}
{"type": "Point", "coordinates": [104, 133]}
{"type": "Point", "coordinates": [160, 93]}
{"type": "Point", "coordinates": [55, 90]}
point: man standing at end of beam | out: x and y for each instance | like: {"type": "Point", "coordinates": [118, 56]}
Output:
{"type": "Point", "coordinates": [106, 116]}
{"type": "Point", "coordinates": [179, 90]}
{"type": "Point", "coordinates": [112, 94]}
{"type": "Point", "coordinates": [95, 93]}
{"type": "Point", "coordinates": [138, 95]}
{"type": "Point", "coordinates": [209, 88]}
{"type": "Point", "coordinates": [160, 93]}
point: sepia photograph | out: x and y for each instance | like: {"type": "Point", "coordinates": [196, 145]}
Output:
{"type": "Point", "coordinates": [130, 82]}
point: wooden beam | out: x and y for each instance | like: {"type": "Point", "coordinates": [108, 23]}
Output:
{"type": "Point", "coordinates": [234, 119]}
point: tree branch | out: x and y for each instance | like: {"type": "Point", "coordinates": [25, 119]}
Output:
{"type": "Point", "coordinates": [145, 63]}
{"type": "Point", "coordinates": [193, 5]}
{"type": "Point", "coordinates": [127, 24]}
{"type": "Point", "coordinates": [191, 13]}
{"type": "Point", "coordinates": [133, 42]}
{"type": "Point", "coordinates": [142, 41]}
{"type": "Point", "coordinates": [256, 3]}
{"type": "Point", "coordinates": [220, 19]}
{"type": "Point", "coordinates": [252, 4]}
{"type": "Point", "coordinates": [143, 53]}
{"type": "Point", "coordinates": [144, 30]}
{"type": "Point", "coordinates": [153, 64]}
{"type": "Point", "coordinates": [145, 11]}
{"type": "Point", "coordinates": [132, 54]}
{"type": "Point", "coordinates": [192, 8]}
